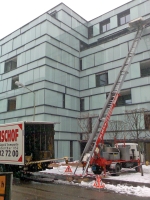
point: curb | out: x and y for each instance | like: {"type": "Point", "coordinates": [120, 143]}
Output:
{"type": "Point", "coordinates": [49, 178]}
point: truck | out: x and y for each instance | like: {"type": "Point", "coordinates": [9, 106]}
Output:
{"type": "Point", "coordinates": [122, 155]}
{"type": "Point", "coordinates": [111, 159]}
{"type": "Point", "coordinates": [26, 146]}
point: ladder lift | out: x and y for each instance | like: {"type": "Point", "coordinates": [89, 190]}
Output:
{"type": "Point", "coordinates": [103, 118]}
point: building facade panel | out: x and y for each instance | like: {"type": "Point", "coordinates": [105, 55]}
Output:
{"type": "Point", "coordinates": [70, 64]}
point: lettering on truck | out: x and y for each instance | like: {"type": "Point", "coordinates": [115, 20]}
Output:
{"type": "Point", "coordinates": [9, 135]}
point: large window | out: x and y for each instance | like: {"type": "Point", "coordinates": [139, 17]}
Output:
{"type": "Point", "coordinates": [124, 17]}
{"type": "Point", "coordinates": [13, 85]}
{"type": "Point", "coordinates": [81, 105]}
{"type": "Point", "coordinates": [10, 65]}
{"type": "Point", "coordinates": [145, 68]}
{"type": "Point", "coordinates": [11, 104]}
{"type": "Point", "coordinates": [105, 26]}
{"type": "Point", "coordinates": [124, 98]}
{"type": "Point", "coordinates": [102, 79]}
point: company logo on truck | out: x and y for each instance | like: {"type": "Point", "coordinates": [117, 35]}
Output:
{"type": "Point", "coordinates": [9, 135]}
{"type": "Point", "coordinates": [12, 143]}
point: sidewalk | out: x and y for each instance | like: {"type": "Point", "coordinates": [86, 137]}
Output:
{"type": "Point", "coordinates": [129, 178]}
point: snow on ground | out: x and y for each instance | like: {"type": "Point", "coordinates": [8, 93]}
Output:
{"type": "Point", "coordinates": [124, 189]}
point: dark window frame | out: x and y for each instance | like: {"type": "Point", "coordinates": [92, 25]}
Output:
{"type": "Point", "coordinates": [71, 150]}
{"type": "Point", "coordinates": [81, 104]}
{"type": "Point", "coordinates": [10, 65]}
{"type": "Point", "coordinates": [147, 121]}
{"type": "Point", "coordinates": [145, 68]}
{"type": "Point", "coordinates": [90, 32]}
{"type": "Point", "coordinates": [99, 81]}
{"type": "Point", "coordinates": [80, 64]}
{"type": "Point", "coordinates": [105, 24]}
{"type": "Point", "coordinates": [63, 100]}
{"type": "Point", "coordinates": [124, 99]}
{"type": "Point", "coordinates": [83, 45]}
{"type": "Point", "coordinates": [123, 16]}
{"type": "Point", "coordinates": [11, 105]}
{"type": "Point", "coordinates": [90, 125]}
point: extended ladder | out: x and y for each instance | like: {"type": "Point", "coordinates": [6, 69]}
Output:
{"type": "Point", "coordinates": [110, 103]}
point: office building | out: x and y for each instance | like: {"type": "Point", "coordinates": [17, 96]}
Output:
{"type": "Point", "coordinates": [70, 65]}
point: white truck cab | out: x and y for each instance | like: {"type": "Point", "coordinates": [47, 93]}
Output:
{"type": "Point", "coordinates": [134, 150]}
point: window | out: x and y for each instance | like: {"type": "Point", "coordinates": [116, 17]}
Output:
{"type": "Point", "coordinates": [145, 68]}
{"type": "Point", "coordinates": [71, 150]}
{"type": "Point", "coordinates": [101, 79]}
{"type": "Point", "coordinates": [13, 85]}
{"type": "Point", "coordinates": [89, 125]}
{"type": "Point", "coordinates": [81, 104]}
{"type": "Point", "coordinates": [10, 65]}
{"type": "Point", "coordinates": [90, 32]}
{"type": "Point", "coordinates": [80, 64]}
{"type": "Point", "coordinates": [124, 17]}
{"type": "Point", "coordinates": [124, 98]}
{"type": "Point", "coordinates": [105, 26]}
{"type": "Point", "coordinates": [83, 46]}
{"type": "Point", "coordinates": [11, 104]}
{"type": "Point", "coordinates": [147, 121]}
{"type": "Point", "coordinates": [63, 100]}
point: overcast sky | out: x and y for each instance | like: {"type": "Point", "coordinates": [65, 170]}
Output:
{"type": "Point", "coordinates": [16, 13]}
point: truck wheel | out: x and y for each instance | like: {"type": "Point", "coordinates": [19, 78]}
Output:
{"type": "Point", "coordinates": [116, 171]}
{"type": "Point", "coordinates": [44, 166]}
{"type": "Point", "coordinates": [96, 169]}
{"type": "Point", "coordinates": [136, 167]}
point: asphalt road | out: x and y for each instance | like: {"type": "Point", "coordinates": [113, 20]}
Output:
{"type": "Point", "coordinates": [40, 191]}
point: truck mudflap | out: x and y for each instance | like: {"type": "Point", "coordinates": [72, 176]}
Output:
{"type": "Point", "coordinates": [115, 168]}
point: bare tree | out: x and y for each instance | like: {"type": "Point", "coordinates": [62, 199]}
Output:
{"type": "Point", "coordinates": [86, 123]}
{"type": "Point", "coordinates": [137, 122]}
{"type": "Point", "coordinates": [135, 125]}
{"type": "Point", "coordinates": [117, 129]}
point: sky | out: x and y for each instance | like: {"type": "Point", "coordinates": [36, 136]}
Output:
{"type": "Point", "coordinates": [141, 191]}
{"type": "Point", "coordinates": [16, 13]}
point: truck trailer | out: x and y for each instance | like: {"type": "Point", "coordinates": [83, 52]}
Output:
{"type": "Point", "coordinates": [26, 146]}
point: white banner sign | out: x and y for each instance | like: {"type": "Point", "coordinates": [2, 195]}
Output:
{"type": "Point", "coordinates": [12, 144]}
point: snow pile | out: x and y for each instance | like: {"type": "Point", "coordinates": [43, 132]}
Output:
{"type": "Point", "coordinates": [123, 189]}
{"type": "Point", "coordinates": [146, 169]}
{"type": "Point", "coordinates": [141, 191]}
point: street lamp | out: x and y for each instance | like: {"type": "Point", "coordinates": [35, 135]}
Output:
{"type": "Point", "coordinates": [21, 85]}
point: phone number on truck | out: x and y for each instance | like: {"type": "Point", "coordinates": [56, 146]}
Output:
{"type": "Point", "coordinates": [9, 153]}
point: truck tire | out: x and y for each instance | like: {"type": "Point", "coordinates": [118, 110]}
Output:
{"type": "Point", "coordinates": [96, 169]}
{"type": "Point", "coordinates": [44, 165]}
{"type": "Point", "coordinates": [116, 171]}
{"type": "Point", "coordinates": [136, 167]}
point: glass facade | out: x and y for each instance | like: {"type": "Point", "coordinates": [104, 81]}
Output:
{"type": "Point", "coordinates": [71, 64]}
